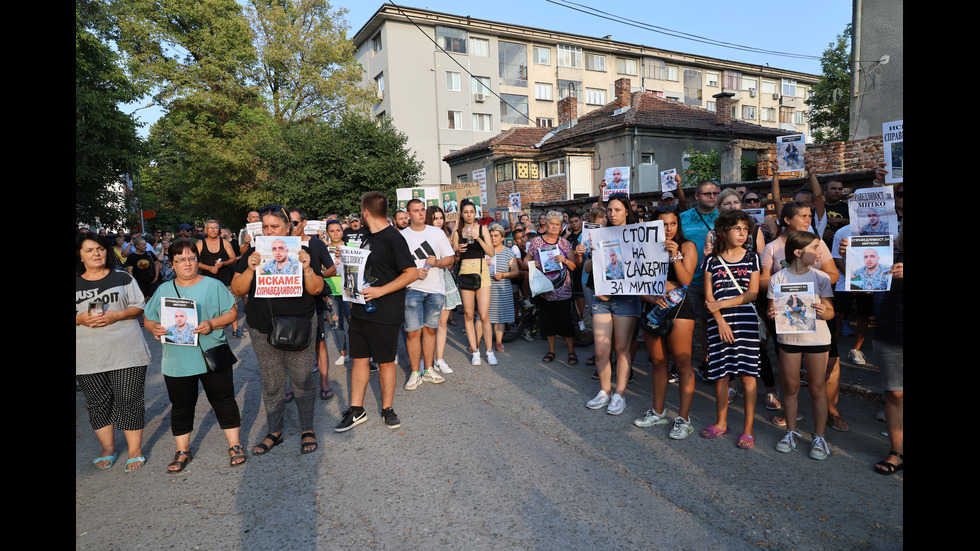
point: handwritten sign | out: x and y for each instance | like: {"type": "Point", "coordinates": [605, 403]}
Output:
{"type": "Point", "coordinates": [630, 260]}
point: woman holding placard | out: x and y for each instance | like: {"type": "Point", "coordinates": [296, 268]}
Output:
{"type": "Point", "coordinates": [554, 310]}
{"type": "Point", "coordinates": [184, 367]}
{"type": "Point", "coordinates": [614, 321]}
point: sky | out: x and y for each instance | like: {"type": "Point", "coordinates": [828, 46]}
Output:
{"type": "Point", "coordinates": [789, 28]}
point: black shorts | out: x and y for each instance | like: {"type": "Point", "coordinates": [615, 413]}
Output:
{"type": "Point", "coordinates": [844, 302]}
{"type": "Point", "coordinates": [797, 349]}
{"type": "Point", "coordinates": [367, 339]}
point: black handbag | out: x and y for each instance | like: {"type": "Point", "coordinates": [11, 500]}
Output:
{"type": "Point", "coordinates": [219, 358]}
{"type": "Point", "coordinates": [471, 282]}
{"type": "Point", "coordinates": [663, 328]}
{"type": "Point", "coordinates": [290, 333]}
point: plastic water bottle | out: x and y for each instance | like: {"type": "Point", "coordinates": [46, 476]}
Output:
{"type": "Point", "coordinates": [491, 264]}
{"type": "Point", "coordinates": [673, 298]}
{"type": "Point", "coordinates": [369, 305]}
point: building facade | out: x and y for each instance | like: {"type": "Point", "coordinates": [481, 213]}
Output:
{"type": "Point", "coordinates": [450, 81]}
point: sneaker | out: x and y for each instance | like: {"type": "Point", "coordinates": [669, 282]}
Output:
{"type": "Point", "coordinates": [682, 428]}
{"type": "Point", "coordinates": [652, 418]}
{"type": "Point", "coordinates": [599, 401]}
{"type": "Point", "coordinates": [528, 336]}
{"type": "Point", "coordinates": [731, 395]}
{"type": "Point", "coordinates": [491, 358]}
{"type": "Point", "coordinates": [780, 420]}
{"type": "Point", "coordinates": [595, 375]}
{"type": "Point", "coordinates": [672, 377]}
{"type": "Point", "coordinates": [880, 415]}
{"type": "Point", "coordinates": [819, 449]}
{"type": "Point", "coordinates": [351, 420]}
{"type": "Point", "coordinates": [341, 360]}
{"type": "Point", "coordinates": [391, 419]}
{"type": "Point", "coordinates": [374, 366]}
{"type": "Point", "coordinates": [772, 402]}
{"type": "Point", "coordinates": [788, 443]}
{"type": "Point", "coordinates": [856, 357]}
{"type": "Point", "coordinates": [430, 376]}
{"type": "Point", "coordinates": [443, 366]}
{"type": "Point", "coordinates": [837, 423]}
{"type": "Point", "coordinates": [413, 382]}
{"type": "Point", "coordinates": [475, 360]}
{"type": "Point", "coordinates": [845, 329]}
{"type": "Point", "coordinates": [616, 405]}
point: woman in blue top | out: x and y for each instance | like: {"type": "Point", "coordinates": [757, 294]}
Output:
{"type": "Point", "coordinates": [184, 367]}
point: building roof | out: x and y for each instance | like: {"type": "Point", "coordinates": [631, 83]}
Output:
{"type": "Point", "coordinates": [517, 140]}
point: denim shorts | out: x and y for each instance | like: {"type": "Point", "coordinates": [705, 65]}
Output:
{"type": "Point", "coordinates": [422, 309]}
{"type": "Point", "coordinates": [621, 305]}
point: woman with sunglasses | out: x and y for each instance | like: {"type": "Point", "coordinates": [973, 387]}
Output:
{"type": "Point", "coordinates": [276, 364]}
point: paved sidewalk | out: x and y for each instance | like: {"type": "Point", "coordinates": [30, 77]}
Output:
{"type": "Point", "coordinates": [503, 457]}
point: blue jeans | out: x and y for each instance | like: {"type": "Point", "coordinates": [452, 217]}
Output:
{"type": "Point", "coordinates": [422, 309]}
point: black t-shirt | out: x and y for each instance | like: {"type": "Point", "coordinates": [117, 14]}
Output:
{"type": "Point", "coordinates": [354, 238]}
{"type": "Point", "coordinates": [258, 311]}
{"type": "Point", "coordinates": [388, 259]}
{"type": "Point", "coordinates": [144, 267]}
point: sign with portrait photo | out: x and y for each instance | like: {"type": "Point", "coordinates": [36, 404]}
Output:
{"type": "Point", "coordinates": [630, 259]}
{"type": "Point", "coordinates": [280, 273]}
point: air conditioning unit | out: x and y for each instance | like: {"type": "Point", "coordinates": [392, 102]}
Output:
{"type": "Point", "coordinates": [479, 98]}
{"type": "Point", "coordinates": [775, 95]}
{"type": "Point", "coordinates": [752, 92]}
{"type": "Point", "coordinates": [713, 83]}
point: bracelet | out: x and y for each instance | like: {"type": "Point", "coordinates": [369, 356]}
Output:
{"type": "Point", "coordinates": [676, 258]}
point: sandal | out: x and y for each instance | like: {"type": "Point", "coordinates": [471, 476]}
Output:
{"type": "Point", "coordinates": [590, 361]}
{"type": "Point", "coordinates": [262, 447]}
{"type": "Point", "coordinates": [886, 468]}
{"type": "Point", "coordinates": [110, 458]}
{"type": "Point", "coordinates": [500, 348]}
{"type": "Point", "coordinates": [772, 402]}
{"type": "Point", "coordinates": [304, 446]}
{"type": "Point", "coordinates": [712, 431]}
{"type": "Point", "coordinates": [837, 423]}
{"type": "Point", "coordinates": [289, 397]}
{"type": "Point", "coordinates": [745, 442]}
{"type": "Point", "coordinates": [548, 357]}
{"type": "Point", "coordinates": [237, 453]}
{"type": "Point", "coordinates": [179, 462]}
{"type": "Point", "coordinates": [141, 460]}
{"type": "Point", "coordinates": [326, 394]}
{"type": "Point", "coordinates": [572, 358]}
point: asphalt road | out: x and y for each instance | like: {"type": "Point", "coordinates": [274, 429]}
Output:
{"type": "Point", "coordinates": [503, 457]}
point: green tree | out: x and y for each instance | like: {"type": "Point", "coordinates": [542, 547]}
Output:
{"type": "Point", "coordinates": [829, 101]}
{"type": "Point", "coordinates": [106, 143]}
{"type": "Point", "coordinates": [703, 166]}
{"type": "Point", "coordinates": [325, 168]}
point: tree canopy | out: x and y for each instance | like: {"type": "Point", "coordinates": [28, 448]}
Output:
{"type": "Point", "coordinates": [829, 100]}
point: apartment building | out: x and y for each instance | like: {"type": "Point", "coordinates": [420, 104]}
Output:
{"type": "Point", "coordinates": [450, 81]}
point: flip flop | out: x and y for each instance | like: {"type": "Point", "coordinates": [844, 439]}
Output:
{"type": "Point", "coordinates": [745, 442]}
{"type": "Point", "coordinates": [326, 394]}
{"type": "Point", "coordinates": [110, 458]}
{"type": "Point", "coordinates": [712, 431]}
{"type": "Point", "coordinates": [141, 460]}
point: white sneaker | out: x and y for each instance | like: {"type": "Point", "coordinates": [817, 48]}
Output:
{"type": "Point", "coordinates": [819, 449]}
{"type": "Point", "coordinates": [856, 357]}
{"type": "Point", "coordinates": [341, 360]}
{"type": "Point", "coordinates": [491, 358]}
{"type": "Point", "coordinates": [475, 360]}
{"type": "Point", "coordinates": [599, 401]}
{"type": "Point", "coordinates": [652, 418]}
{"type": "Point", "coordinates": [682, 428]}
{"type": "Point", "coordinates": [443, 366]}
{"type": "Point", "coordinates": [430, 376]}
{"type": "Point", "coordinates": [616, 405]}
{"type": "Point", "coordinates": [413, 382]}
{"type": "Point", "coordinates": [788, 443]}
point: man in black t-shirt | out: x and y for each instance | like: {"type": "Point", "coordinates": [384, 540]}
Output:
{"type": "Point", "coordinates": [355, 234]}
{"type": "Point", "coordinates": [143, 266]}
{"type": "Point", "coordinates": [389, 269]}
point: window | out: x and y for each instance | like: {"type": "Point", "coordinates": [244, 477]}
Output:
{"type": "Point", "coordinates": [456, 120]}
{"type": "Point", "coordinates": [626, 66]}
{"type": "Point", "coordinates": [595, 62]}
{"type": "Point", "coordinates": [545, 122]}
{"type": "Point", "coordinates": [711, 106]}
{"type": "Point", "coordinates": [452, 81]}
{"type": "Point", "coordinates": [481, 122]}
{"type": "Point", "coordinates": [692, 87]}
{"type": "Point", "coordinates": [513, 63]}
{"type": "Point", "coordinates": [768, 87]}
{"type": "Point", "coordinates": [733, 80]}
{"type": "Point", "coordinates": [513, 109]}
{"type": "Point", "coordinates": [712, 79]}
{"type": "Point", "coordinates": [748, 112]}
{"type": "Point", "coordinates": [379, 85]}
{"type": "Point", "coordinates": [451, 40]}
{"type": "Point", "coordinates": [786, 115]}
{"type": "Point", "coordinates": [595, 96]}
{"type": "Point", "coordinates": [542, 55]}
{"type": "Point", "coordinates": [646, 159]}
{"type": "Point", "coordinates": [655, 69]}
{"type": "Point", "coordinates": [376, 43]}
{"type": "Point", "coordinates": [801, 117]}
{"type": "Point", "coordinates": [768, 114]}
{"type": "Point", "coordinates": [505, 171]}
{"type": "Point", "coordinates": [789, 87]}
{"type": "Point", "coordinates": [751, 86]}
{"type": "Point", "coordinates": [462, 179]}
{"type": "Point", "coordinates": [569, 56]}
{"type": "Point", "coordinates": [570, 88]}
{"type": "Point", "coordinates": [542, 91]}
{"type": "Point", "coordinates": [554, 167]}
{"type": "Point", "coordinates": [672, 74]}
{"type": "Point", "coordinates": [480, 85]}
{"type": "Point", "coordinates": [480, 47]}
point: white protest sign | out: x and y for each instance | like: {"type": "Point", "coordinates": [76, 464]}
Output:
{"type": "Point", "coordinates": [668, 180]}
{"type": "Point", "coordinates": [893, 138]}
{"type": "Point", "coordinates": [280, 274]}
{"type": "Point", "coordinates": [352, 263]}
{"type": "Point", "coordinates": [872, 211]}
{"type": "Point", "coordinates": [630, 259]}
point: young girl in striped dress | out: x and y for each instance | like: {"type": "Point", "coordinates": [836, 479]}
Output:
{"type": "Point", "coordinates": [731, 285]}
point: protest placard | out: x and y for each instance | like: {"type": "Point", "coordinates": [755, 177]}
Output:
{"type": "Point", "coordinates": [253, 229]}
{"type": "Point", "coordinates": [867, 261]}
{"type": "Point", "coordinates": [352, 263]}
{"type": "Point", "coordinates": [872, 211]}
{"type": "Point", "coordinates": [617, 181]}
{"type": "Point", "coordinates": [892, 140]}
{"type": "Point", "coordinates": [179, 316]}
{"type": "Point", "coordinates": [639, 256]}
{"type": "Point", "coordinates": [794, 308]}
{"type": "Point", "coordinates": [514, 202]}
{"type": "Point", "coordinates": [790, 152]}
{"type": "Point", "coordinates": [668, 180]}
{"type": "Point", "coordinates": [280, 274]}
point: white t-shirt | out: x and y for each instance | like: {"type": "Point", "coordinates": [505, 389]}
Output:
{"type": "Point", "coordinates": [843, 233]}
{"type": "Point", "coordinates": [422, 244]}
{"type": "Point", "coordinates": [822, 288]}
